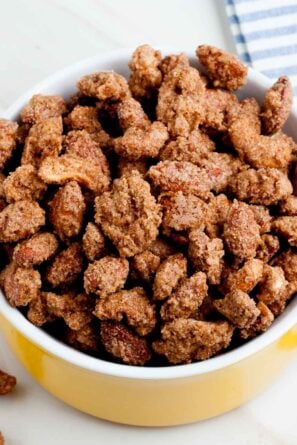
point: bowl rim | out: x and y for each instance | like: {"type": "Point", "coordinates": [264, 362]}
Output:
{"type": "Point", "coordinates": [41, 339]}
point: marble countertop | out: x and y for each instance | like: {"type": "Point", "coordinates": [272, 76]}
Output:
{"type": "Point", "coordinates": [36, 39]}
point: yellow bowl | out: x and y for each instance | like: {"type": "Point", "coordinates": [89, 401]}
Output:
{"type": "Point", "coordinates": [148, 396]}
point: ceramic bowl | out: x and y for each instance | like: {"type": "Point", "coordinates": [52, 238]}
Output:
{"type": "Point", "coordinates": [148, 396]}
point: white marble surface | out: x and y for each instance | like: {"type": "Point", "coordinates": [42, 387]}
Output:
{"type": "Point", "coordinates": [37, 37]}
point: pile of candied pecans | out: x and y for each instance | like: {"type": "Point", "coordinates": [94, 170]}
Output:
{"type": "Point", "coordinates": [152, 221]}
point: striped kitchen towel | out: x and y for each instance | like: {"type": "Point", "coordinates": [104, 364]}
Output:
{"type": "Point", "coordinates": [265, 33]}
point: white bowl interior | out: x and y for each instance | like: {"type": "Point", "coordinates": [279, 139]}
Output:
{"type": "Point", "coordinates": [63, 83]}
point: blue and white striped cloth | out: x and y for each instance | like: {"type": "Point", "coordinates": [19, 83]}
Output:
{"type": "Point", "coordinates": [265, 33]}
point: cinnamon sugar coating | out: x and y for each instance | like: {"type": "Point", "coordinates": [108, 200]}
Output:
{"type": "Point", "coordinates": [8, 138]}
{"type": "Point", "coordinates": [7, 384]}
{"type": "Point", "coordinates": [93, 242]}
{"type": "Point", "coordinates": [66, 266]}
{"type": "Point", "coordinates": [66, 210]}
{"type": "Point", "coordinates": [104, 86]}
{"type": "Point", "coordinates": [261, 324]}
{"type": "Point", "coordinates": [273, 286]}
{"type": "Point", "coordinates": [277, 105]}
{"type": "Point", "coordinates": [225, 69]}
{"type": "Point", "coordinates": [146, 76]}
{"type": "Point", "coordinates": [129, 214]}
{"type": "Point", "coordinates": [106, 276]}
{"type": "Point", "coordinates": [24, 183]}
{"type": "Point", "coordinates": [84, 339]}
{"type": "Point", "coordinates": [41, 108]}
{"type": "Point", "coordinates": [133, 305]}
{"type": "Point", "coordinates": [123, 345]}
{"type": "Point", "coordinates": [35, 250]}
{"type": "Point", "coordinates": [145, 265]}
{"type": "Point", "coordinates": [126, 167]}
{"type": "Point", "coordinates": [168, 275]}
{"type": "Point", "coordinates": [238, 308]}
{"type": "Point", "coordinates": [286, 227]}
{"type": "Point", "coordinates": [245, 278]}
{"type": "Point", "coordinates": [288, 206]}
{"type": "Point", "coordinates": [268, 247]}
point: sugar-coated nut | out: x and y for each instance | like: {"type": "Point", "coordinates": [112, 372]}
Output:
{"type": "Point", "coordinates": [245, 278]}
{"type": "Point", "coordinates": [268, 247]}
{"type": "Point", "coordinates": [8, 137]}
{"type": "Point", "coordinates": [168, 63]}
{"type": "Point", "coordinates": [186, 340]}
{"type": "Point", "coordinates": [218, 105]}
{"type": "Point", "coordinates": [66, 210]}
{"type": "Point", "coordinates": [7, 384]}
{"type": "Point", "coordinates": [286, 227]}
{"type": "Point", "coordinates": [182, 176]}
{"type": "Point", "coordinates": [20, 220]}
{"type": "Point", "coordinates": [206, 255]}
{"type": "Point", "coordinates": [288, 206]}
{"type": "Point", "coordinates": [288, 262]}
{"type": "Point", "coordinates": [71, 167]}
{"type": "Point", "coordinates": [241, 232]}
{"type": "Point", "coordinates": [129, 214]}
{"type": "Point", "coordinates": [239, 308]}
{"type": "Point", "coordinates": [20, 285]}
{"type": "Point", "coordinates": [168, 275]}
{"type": "Point", "coordinates": [216, 213]}
{"type": "Point", "coordinates": [41, 108]}
{"type": "Point", "coordinates": [262, 217]}
{"type": "Point", "coordinates": [65, 267]}
{"type": "Point", "coordinates": [125, 166]}
{"type": "Point", "coordinates": [35, 250]}
{"type": "Point", "coordinates": [106, 276]}
{"type": "Point", "coordinates": [277, 105]}
{"type": "Point", "coordinates": [266, 186]}
{"type": "Point", "coordinates": [192, 148]}
{"type": "Point", "coordinates": [38, 312]}
{"type": "Point", "coordinates": [104, 86]}
{"type": "Point", "coordinates": [262, 323]}
{"type": "Point", "coordinates": [162, 248]}
{"type": "Point", "coordinates": [272, 286]}
{"type": "Point", "coordinates": [93, 242]}
{"type": "Point", "coordinates": [133, 305]}
{"type": "Point", "coordinates": [44, 140]}
{"type": "Point", "coordinates": [83, 118]}
{"type": "Point", "coordinates": [84, 339]}
{"type": "Point", "coordinates": [131, 114]}
{"type": "Point", "coordinates": [145, 265]}
{"type": "Point", "coordinates": [123, 345]}
{"type": "Point", "coordinates": [225, 69]}
{"type": "Point", "coordinates": [24, 183]}
{"type": "Point", "coordinates": [146, 76]}
{"type": "Point", "coordinates": [138, 143]}
{"type": "Point", "coordinates": [185, 300]}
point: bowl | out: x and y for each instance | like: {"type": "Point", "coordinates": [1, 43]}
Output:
{"type": "Point", "coordinates": [148, 396]}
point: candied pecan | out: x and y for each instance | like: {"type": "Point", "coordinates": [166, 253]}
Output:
{"type": "Point", "coordinates": [262, 217]}
{"type": "Point", "coordinates": [66, 266]}
{"type": "Point", "coordinates": [80, 143]}
{"type": "Point", "coordinates": [83, 118]}
{"type": "Point", "coordinates": [268, 247]}
{"type": "Point", "coordinates": [259, 150]}
{"type": "Point", "coordinates": [70, 167]}
{"type": "Point", "coordinates": [272, 286]}
{"type": "Point", "coordinates": [124, 345]}
{"type": "Point", "coordinates": [262, 323]}
{"type": "Point", "coordinates": [76, 310]}
{"type": "Point", "coordinates": [130, 114]}
{"type": "Point", "coordinates": [8, 137]}
{"type": "Point", "coordinates": [225, 69]}
{"type": "Point", "coordinates": [170, 62]}
{"type": "Point", "coordinates": [106, 276]}
{"type": "Point", "coordinates": [192, 148]}
{"type": "Point", "coordinates": [181, 211]}
{"type": "Point", "coordinates": [186, 340]}
{"type": "Point", "coordinates": [137, 142]}
{"type": "Point", "coordinates": [180, 176]}
{"type": "Point", "coordinates": [180, 101]}
{"type": "Point", "coordinates": [85, 339]}
{"type": "Point", "coordinates": [20, 220]}
{"type": "Point", "coordinates": [286, 227]}
{"type": "Point", "coordinates": [20, 285]}
{"type": "Point", "coordinates": [41, 108]}
{"type": "Point", "coordinates": [104, 86]}
{"type": "Point", "coordinates": [7, 384]}
{"type": "Point", "coordinates": [265, 186]}
{"type": "Point", "coordinates": [133, 305]}
{"type": "Point", "coordinates": [245, 278]}
{"type": "Point", "coordinates": [239, 308]}
{"type": "Point", "coordinates": [93, 242]}
{"type": "Point", "coordinates": [145, 264]}
{"type": "Point", "coordinates": [38, 312]}
{"type": "Point", "coordinates": [24, 183]}
{"type": "Point", "coordinates": [35, 250]}
{"type": "Point", "coordinates": [216, 213]}
{"type": "Point", "coordinates": [207, 255]}
{"type": "Point", "coordinates": [66, 210]}
{"type": "Point", "coordinates": [168, 275]}
{"type": "Point", "coordinates": [44, 140]}
{"type": "Point", "coordinates": [161, 248]}
{"type": "Point", "coordinates": [129, 215]}
{"type": "Point", "coordinates": [146, 76]}
{"type": "Point", "coordinates": [288, 262]}
{"type": "Point", "coordinates": [277, 105]}
{"type": "Point", "coordinates": [288, 206]}
{"type": "Point", "coordinates": [218, 104]}
{"type": "Point", "coordinates": [125, 166]}
{"type": "Point", "coordinates": [241, 232]}
{"type": "Point", "coordinates": [187, 297]}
